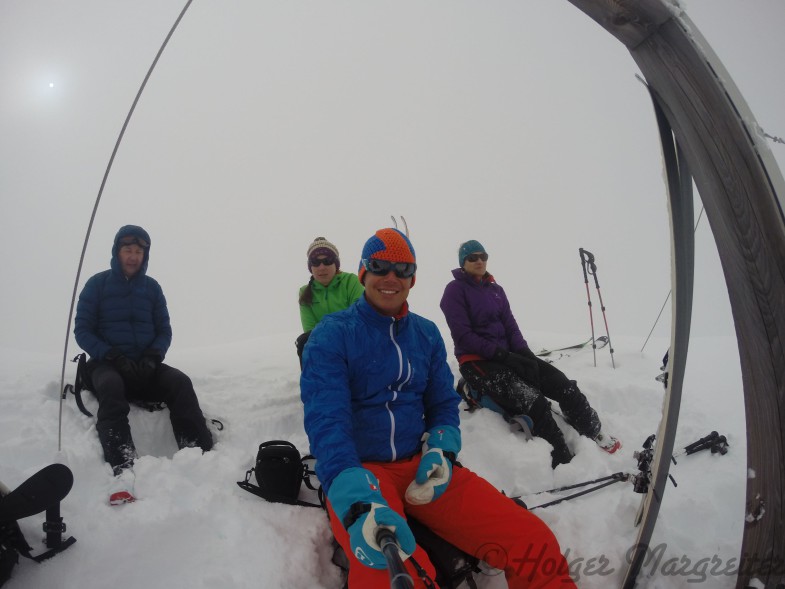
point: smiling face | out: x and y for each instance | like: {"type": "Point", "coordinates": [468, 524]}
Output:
{"type": "Point", "coordinates": [387, 293]}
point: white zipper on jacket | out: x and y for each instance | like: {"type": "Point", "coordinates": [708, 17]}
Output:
{"type": "Point", "coordinates": [399, 386]}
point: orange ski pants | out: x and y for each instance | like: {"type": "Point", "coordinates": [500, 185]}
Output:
{"type": "Point", "coordinates": [473, 516]}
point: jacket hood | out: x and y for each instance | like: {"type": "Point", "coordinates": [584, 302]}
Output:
{"type": "Point", "coordinates": [135, 231]}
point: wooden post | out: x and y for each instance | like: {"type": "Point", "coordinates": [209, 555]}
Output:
{"type": "Point", "coordinates": [741, 187]}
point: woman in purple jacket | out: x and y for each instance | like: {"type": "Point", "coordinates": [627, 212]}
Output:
{"type": "Point", "coordinates": [496, 361]}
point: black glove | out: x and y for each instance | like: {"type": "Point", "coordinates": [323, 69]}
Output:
{"type": "Point", "coordinates": [126, 367]}
{"type": "Point", "coordinates": [500, 356]}
{"type": "Point", "coordinates": [534, 365]}
{"type": "Point", "coordinates": [148, 364]}
{"type": "Point", "coordinates": [523, 366]}
{"type": "Point", "coordinates": [527, 353]}
{"type": "Point", "coordinates": [113, 354]}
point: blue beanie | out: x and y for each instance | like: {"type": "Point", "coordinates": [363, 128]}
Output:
{"type": "Point", "coordinates": [469, 247]}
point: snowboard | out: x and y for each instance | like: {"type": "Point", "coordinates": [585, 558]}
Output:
{"type": "Point", "coordinates": [43, 490]}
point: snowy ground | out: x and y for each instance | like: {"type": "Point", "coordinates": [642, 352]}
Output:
{"type": "Point", "coordinates": [193, 527]}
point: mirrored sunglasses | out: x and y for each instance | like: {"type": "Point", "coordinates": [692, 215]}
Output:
{"type": "Point", "coordinates": [319, 261]}
{"type": "Point", "coordinates": [383, 267]}
{"type": "Point", "coordinates": [134, 240]}
{"type": "Point", "coordinates": [474, 257]}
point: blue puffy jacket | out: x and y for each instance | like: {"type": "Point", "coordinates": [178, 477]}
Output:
{"type": "Point", "coordinates": [371, 386]}
{"type": "Point", "coordinates": [115, 312]}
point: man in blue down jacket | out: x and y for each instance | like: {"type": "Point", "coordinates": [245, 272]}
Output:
{"type": "Point", "coordinates": [383, 422]}
{"type": "Point", "coordinates": [122, 322]}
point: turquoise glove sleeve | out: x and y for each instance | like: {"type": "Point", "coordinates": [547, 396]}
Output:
{"type": "Point", "coordinates": [357, 501]}
{"type": "Point", "coordinates": [445, 437]}
{"type": "Point", "coordinates": [441, 446]}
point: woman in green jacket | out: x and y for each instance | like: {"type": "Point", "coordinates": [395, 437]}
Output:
{"type": "Point", "coordinates": [328, 290]}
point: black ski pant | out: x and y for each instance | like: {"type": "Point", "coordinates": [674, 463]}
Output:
{"type": "Point", "coordinates": [299, 343]}
{"type": "Point", "coordinates": [574, 405]}
{"type": "Point", "coordinates": [168, 385]}
{"type": "Point", "coordinates": [520, 397]}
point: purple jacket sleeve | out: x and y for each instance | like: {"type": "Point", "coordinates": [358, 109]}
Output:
{"type": "Point", "coordinates": [514, 336]}
{"type": "Point", "coordinates": [456, 312]}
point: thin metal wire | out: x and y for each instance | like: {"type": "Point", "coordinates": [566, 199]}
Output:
{"type": "Point", "coordinates": [773, 138]}
{"type": "Point", "coordinates": [669, 292]}
{"type": "Point", "coordinates": [95, 210]}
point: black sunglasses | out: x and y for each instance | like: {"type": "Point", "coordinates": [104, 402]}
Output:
{"type": "Point", "coordinates": [474, 257]}
{"type": "Point", "coordinates": [133, 240]}
{"type": "Point", "coordinates": [319, 261]}
{"type": "Point", "coordinates": [383, 267]}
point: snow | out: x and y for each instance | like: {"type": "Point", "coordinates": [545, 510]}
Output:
{"type": "Point", "coordinates": [193, 527]}
{"type": "Point", "coordinates": [397, 91]}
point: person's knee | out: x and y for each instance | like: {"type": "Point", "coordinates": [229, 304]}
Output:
{"type": "Point", "coordinates": [177, 378]}
{"type": "Point", "coordinates": [540, 412]}
{"type": "Point", "coordinates": [112, 402]}
{"type": "Point", "coordinates": [557, 386]}
{"type": "Point", "coordinates": [107, 382]}
{"type": "Point", "coordinates": [174, 385]}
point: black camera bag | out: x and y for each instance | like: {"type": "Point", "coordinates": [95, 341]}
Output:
{"type": "Point", "coordinates": [279, 472]}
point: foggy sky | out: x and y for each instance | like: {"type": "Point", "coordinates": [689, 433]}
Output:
{"type": "Point", "coordinates": [266, 124]}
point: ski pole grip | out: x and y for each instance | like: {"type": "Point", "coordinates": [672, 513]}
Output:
{"type": "Point", "coordinates": [586, 255]}
{"type": "Point", "coordinates": [587, 259]}
{"type": "Point", "coordinates": [399, 578]}
{"type": "Point", "coordinates": [701, 443]}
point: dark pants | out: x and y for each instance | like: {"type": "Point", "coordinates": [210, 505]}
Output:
{"type": "Point", "coordinates": [167, 385]}
{"type": "Point", "coordinates": [300, 345]}
{"type": "Point", "coordinates": [519, 397]}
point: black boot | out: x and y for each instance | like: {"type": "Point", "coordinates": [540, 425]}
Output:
{"type": "Point", "coordinates": [119, 449]}
{"type": "Point", "coordinates": [578, 413]}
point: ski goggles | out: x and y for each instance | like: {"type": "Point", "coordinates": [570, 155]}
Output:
{"type": "Point", "coordinates": [474, 257]}
{"type": "Point", "coordinates": [383, 267]}
{"type": "Point", "coordinates": [315, 262]}
{"type": "Point", "coordinates": [133, 240]}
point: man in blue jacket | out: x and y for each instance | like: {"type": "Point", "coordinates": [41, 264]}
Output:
{"type": "Point", "coordinates": [122, 322]}
{"type": "Point", "coordinates": [383, 422]}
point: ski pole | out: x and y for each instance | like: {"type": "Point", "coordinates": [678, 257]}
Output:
{"type": "Point", "coordinates": [593, 271]}
{"type": "Point", "coordinates": [584, 261]}
{"type": "Point", "coordinates": [700, 444]}
{"type": "Point", "coordinates": [399, 578]}
{"type": "Point", "coordinates": [616, 475]}
{"type": "Point", "coordinates": [616, 478]}
{"type": "Point", "coordinates": [715, 442]}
